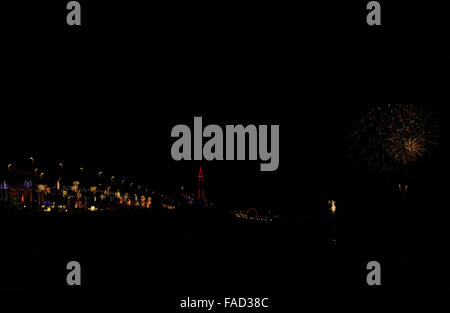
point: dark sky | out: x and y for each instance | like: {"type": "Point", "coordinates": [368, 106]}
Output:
{"type": "Point", "coordinates": [106, 95]}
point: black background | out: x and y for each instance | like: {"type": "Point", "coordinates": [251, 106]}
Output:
{"type": "Point", "coordinates": [106, 95]}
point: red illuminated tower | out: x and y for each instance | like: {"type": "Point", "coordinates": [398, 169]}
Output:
{"type": "Point", "coordinates": [201, 185]}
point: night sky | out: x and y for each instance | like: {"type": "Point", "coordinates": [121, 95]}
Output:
{"type": "Point", "coordinates": [106, 95]}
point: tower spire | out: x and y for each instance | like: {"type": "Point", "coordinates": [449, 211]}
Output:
{"type": "Point", "coordinates": [201, 185]}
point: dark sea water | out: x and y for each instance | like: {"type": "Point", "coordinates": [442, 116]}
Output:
{"type": "Point", "coordinates": [164, 258]}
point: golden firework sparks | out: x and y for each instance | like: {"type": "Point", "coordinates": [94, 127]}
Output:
{"type": "Point", "coordinates": [396, 135]}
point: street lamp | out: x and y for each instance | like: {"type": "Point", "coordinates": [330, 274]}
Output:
{"type": "Point", "coordinates": [9, 170]}
{"type": "Point", "coordinates": [99, 177]}
{"type": "Point", "coordinates": [35, 172]}
{"type": "Point", "coordinates": [122, 184]}
{"type": "Point", "coordinates": [81, 172]}
{"type": "Point", "coordinates": [32, 162]}
{"type": "Point", "coordinates": [61, 166]}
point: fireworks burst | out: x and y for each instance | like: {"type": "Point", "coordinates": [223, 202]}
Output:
{"type": "Point", "coordinates": [393, 136]}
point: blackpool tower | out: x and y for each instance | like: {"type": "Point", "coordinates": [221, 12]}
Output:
{"type": "Point", "coordinates": [201, 185]}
